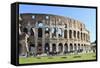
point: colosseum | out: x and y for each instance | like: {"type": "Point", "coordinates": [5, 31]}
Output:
{"type": "Point", "coordinates": [54, 34]}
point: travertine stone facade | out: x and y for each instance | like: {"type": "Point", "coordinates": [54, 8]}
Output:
{"type": "Point", "coordinates": [53, 33]}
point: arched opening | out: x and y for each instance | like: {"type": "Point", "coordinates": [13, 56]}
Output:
{"type": "Point", "coordinates": [78, 46]}
{"type": "Point", "coordinates": [71, 47]}
{"type": "Point", "coordinates": [65, 33]}
{"type": "Point", "coordinates": [39, 48]}
{"type": "Point", "coordinates": [78, 34]}
{"type": "Point", "coordinates": [81, 35]}
{"type": "Point", "coordinates": [75, 47]}
{"type": "Point", "coordinates": [39, 32]}
{"type": "Point", "coordinates": [74, 34]}
{"type": "Point", "coordinates": [65, 25]}
{"type": "Point", "coordinates": [66, 48]}
{"type": "Point", "coordinates": [60, 46]}
{"type": "Point", "coordinates": [84, 36]}
{"type": "Point", "coordinates": [82, 47]}
{"type": "Point", "coordinates": [47, 48]}
{"type": "Point", "coordinates": [47, 32]}
{"type": "Point", "coordinates": [40, 24]}
{"type": "Point", "coordinates": [53, 47]}
{"type": "Point", "coordinates": [85, 47]}
{"type": "Point", "coordinates": [70, 34]}
{"type": "Point", "coordinates": [59, 32]}
{"type": "Point", "coordinates": [54, 30]}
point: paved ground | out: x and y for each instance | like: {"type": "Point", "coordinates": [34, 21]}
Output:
{"type": "Point", "coordinates": [71, 57]}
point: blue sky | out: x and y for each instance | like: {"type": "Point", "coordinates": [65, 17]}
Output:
{"type": "Point", "coordinates": [85, 15]}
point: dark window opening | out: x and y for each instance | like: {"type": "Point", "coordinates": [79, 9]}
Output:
{"type": "Point", "coordinates": [65, 25]}
{"type": "Point", "coordinates": [60, 47]}
{"type": "Point", "coordinates": [54, 32]}
{"type": "Point", "coordinates": [81, 36]}
{"type": "Point", "coordinates": [78, 46]}
{"type": "Point", "coordinates": [71, 47]}
{"type": "Point", "coordinates": [47, 48]}
{"type": "Point", "coordinates": [25, 30]}
{"type": "Point", "coordinates": [39, 32]}
{"type": "Point", "coordinates": [74, 34]}
{"type": "Point", "coordinates": [66, 48]}
{"type": "Point", "coordinates": [53, 47]}
{"type": "Point", "coordinates": [75, 47]}
{"type": "Point", "coordinates": [70, 33]}
{"type": "Point", "coordinates": [65, 34]}
{"type": "Point", "coordinates": [78, 34]}
{"type": "Point", "coordinates": [39, 48]}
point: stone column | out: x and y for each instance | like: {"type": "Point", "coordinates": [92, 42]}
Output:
{"type": "Point", "coordinates": [63, 32]}
{"type": "Point", "coordinates": [79, 35]}
{"type": "Point", "coordinates": [84, 48]}
{"type": "Point", "coordinates": [50, 47]}
{"type": "Point", "coordinates": [73, 47]}
{"type": "Point", "coordinates": [63, 48]}
{"type": "Point", "coordinates": [68, 47]}
{"type": "Point", "coordinates": [80, 46]}
{"type": "Point", "coordinates": [86, 37]}
{"type": "Point", "coordinates": [67, 34]}
{"type": "Point", "coordinates": [50, 32]}
{"type": "Point", "coordinates": [82, 36]}
{"type": "Point", "coordinates": [72, 34]}
{"type": "Point", "coordinates": [36, 37]}
{"type": "Point", "coordinates": [43, 39]}
{"type": "Point", "coordinates": [77, 46]}
{"type": "Point", "coordinates": [56, 33]}
{"type": "Point", "coordinates": [57, 49]}
{"type": "Point", "coordinates": [76, 36]}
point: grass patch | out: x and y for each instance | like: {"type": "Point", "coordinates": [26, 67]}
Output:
{"type": "Point", "coordinates": [70, 57]}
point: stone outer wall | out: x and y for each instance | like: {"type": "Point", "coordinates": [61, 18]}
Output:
{"type": "Point", "coordinates": [74, 35]}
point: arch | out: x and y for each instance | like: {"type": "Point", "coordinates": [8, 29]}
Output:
{"type": "Point", "coordinates": [66, 48]}
{"type": "Point", "coordinates": [53, 47]}
{"type": "Point", "coordinates": [47, 30]}
{"type": "Point", "coordinates": [65, 33]}
{"type": "Point", "coordinates": [39, 32]}
{"type": "Point", "coordinates": [81, 35]}
{"type": "Point", "coordinates": [60, 47]}
{"type": "Point", "coordinates": [40, 24]}
{"type": "Point", "coordinates": [74, 34]}
{"type": "Point", "coordinates": [82, 47]}
{"type": "Point", "coordinates": [78, 46]}
{"type": "Point", "coordinates": [65, 25]}
{"type": "Point", "coordinates": [75, 47]}
{"type": "Point", "coordinates": [78, 34]}
{"type": "Point", "coordinates": [39, 48]}
{"type": "Point", "coordinates": [84, 36]}
{"type": "Point", "coordinates": [54, 30]}
{"type": "Point", "coordinates": [60, 32]}
{"type": "Point", "coordinates": [71, 47]}
{"type": "Point", "coordinates": [70, 34]}
{"type": "Point", "coordinates": [47, 47]}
